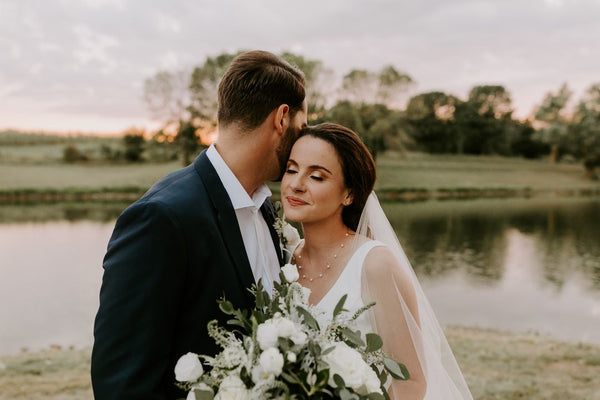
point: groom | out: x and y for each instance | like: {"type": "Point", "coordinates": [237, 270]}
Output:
{"type": "Point", "coordinates": [199, 233]}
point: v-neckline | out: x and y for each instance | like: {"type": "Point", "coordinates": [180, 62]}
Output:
{"type": "Point", "coordinates": [317, 304]}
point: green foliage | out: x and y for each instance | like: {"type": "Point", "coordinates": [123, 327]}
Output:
{"type": "Point", "coordinates": [379, 127]}
{"type": "Point", "coordinates": [71, 154]}
{"type": "Point", "coordinates": [188, 142]}
{"type": "Point", "coordinates": [133, 144]}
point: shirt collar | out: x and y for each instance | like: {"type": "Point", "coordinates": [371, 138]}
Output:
{"type": "Point", "coordinates": [238, 195]}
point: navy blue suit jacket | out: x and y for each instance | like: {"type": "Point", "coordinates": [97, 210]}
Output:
{"type": "Point", "coordinates": [172, 254]}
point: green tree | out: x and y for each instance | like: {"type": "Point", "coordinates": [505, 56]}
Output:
{"type": "Point", "coordinates": [485, 121]}
{"type": "Point", "coordinates": [379, 127]}
{"type": "Point", "coordinates": [586, 128]}
{"type": "Point", "coordinates": [188, 141]}
{"type": "Point", "coordinates": [386, 86]}
{"type": "Point", "coordinates": [319, 82]}
{"type": "Point", "coordinates": [71, 154]}
{"type": "Point", "coordinates": [554, 120]}
{"type": "Point", "coordinates": [204, 84]}
{"type": "Point", "coordinates": [168, 97]}
{"type": "Point", "coordinates": [133, 143]}
{"type": "Point", "coordinates": [432, 119]}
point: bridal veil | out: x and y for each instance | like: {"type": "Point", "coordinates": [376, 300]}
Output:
{"type": "Point", "coordinates": [404, 319]}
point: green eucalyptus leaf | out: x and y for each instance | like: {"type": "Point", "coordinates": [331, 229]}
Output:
{"type": "Point", "coordinates": [339, 382]}
{"type": "Point", "coordinates": [308, 318]}
{"type": "Point", "coordinates": [345, 394]}
{"type": "Point", "coordinates": [374, 342]}
{"type": "Point", "coordinates": [353, 337]}
{"type": "Point", "coordinates": [376, 396]}
{"type": "Point", "coordinates": [396, 370]}
{"type": "Point", "coordinates": [339, 307]}
{"type": "Point", "coordinates": [322, 378]}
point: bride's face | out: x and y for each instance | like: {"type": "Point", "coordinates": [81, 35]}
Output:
{"type": "Point", "coordinates": [312, 188]}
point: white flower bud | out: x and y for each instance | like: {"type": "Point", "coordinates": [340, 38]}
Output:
{"type": "Point", "coordinates": [291, 357]}
{"type": "Point", "coordinates": [188, 368]}
{"type": "Point", "coordinates": [290, 273]}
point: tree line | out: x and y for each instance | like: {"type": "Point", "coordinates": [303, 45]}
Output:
{"type": "Point", "coordinates": [379, 106]}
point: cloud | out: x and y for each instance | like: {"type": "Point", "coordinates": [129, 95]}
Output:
{"type": "Point", "coordinates": [91, 56]}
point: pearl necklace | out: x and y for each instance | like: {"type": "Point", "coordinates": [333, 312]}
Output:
{"type": "Point", "coordinates": [327, 266]}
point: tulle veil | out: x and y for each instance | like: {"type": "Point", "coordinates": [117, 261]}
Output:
{"type": "Point", "coordinates": [401, 322]}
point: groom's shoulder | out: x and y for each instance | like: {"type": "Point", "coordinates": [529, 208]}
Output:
{"type": "Point", "coordinates": [180, 192]}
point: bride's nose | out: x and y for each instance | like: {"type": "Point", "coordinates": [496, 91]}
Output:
{"type": "Point", "coordinates": [297, 184]}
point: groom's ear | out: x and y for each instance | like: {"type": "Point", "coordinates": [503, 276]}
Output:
{"type": "Point", "coordinates": [282, 118]}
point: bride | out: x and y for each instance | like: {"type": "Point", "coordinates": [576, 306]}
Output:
{"type": "Point", "coordinates": [350, 248]}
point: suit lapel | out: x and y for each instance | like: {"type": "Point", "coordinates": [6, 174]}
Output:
{"type": "Point", "coordinates": [268, 213]}
{"type": "Point", "coordinates": [227, 220]}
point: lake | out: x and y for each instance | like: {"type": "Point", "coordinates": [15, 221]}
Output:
{"type": "Point", "coordinates": [517, 265]}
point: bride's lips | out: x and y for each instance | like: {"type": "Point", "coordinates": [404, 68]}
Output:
{"type": "Point", "coordinates": [294, 201]}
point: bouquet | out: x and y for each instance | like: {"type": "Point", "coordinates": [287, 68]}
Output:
{"type": "Point", "coordinates": [278, 350]}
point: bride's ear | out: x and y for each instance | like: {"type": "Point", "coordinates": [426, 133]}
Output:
{"type": "Point", "coordinates": [349, 199]}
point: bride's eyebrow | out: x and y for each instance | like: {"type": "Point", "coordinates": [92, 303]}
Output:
{"type": "Point", "coordinates": [320, 167]}
{"type": "Point", "coordinates": [313, 167]}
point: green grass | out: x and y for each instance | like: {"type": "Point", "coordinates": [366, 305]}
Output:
{"type": "Point", "coordinates": [426, 171]}
{"type": "Point", "coordinates": [413, 173]}
{"type": "Point", "coordinates": [63, 176]}
{"type": "Point", "coordinates": [496, 365]}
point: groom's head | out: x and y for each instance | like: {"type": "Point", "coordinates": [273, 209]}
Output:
{"type": "Point", "coordinates": [257, 86]}
{"type": "Point", "coordinates": [256, 83]}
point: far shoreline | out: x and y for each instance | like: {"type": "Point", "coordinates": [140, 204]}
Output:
{"type": "Point", "coordinates": [401, 195]}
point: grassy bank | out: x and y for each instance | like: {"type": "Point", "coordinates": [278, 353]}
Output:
{"type": "Point", "coordinates": [496, 365]}
{"type": "Point", "coordinates": [402, 177]}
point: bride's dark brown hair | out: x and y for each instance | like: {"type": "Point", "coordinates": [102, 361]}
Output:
{"type": "Point", "coordinates": [357, 163]}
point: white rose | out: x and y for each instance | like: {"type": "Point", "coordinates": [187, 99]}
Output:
{"type": "Point", "coordinates": [290, 273]}
{"type": "Point", "coordinates": [259, 375]}
{"type": "Point", "coordinates": [188, 368]}
{"type": "Point", "coordinates": [191, 395]}
{"type": "Point", "coordinates": [285, 327]}
{"type": "Point", "coordinates": [271, 361]}
{"type": "Point", "coordinates": [347, 363]}
{"type": "Point", "coordinates": [291, 235]}
{"type": "Point", "coordinates": [267, 334]}
{"type": "Point", "coordinates": [299, 338]}
{"type": "Point", "coordinates": [372, 383]}
{"type": "Point", "coordinates": [232, 388]}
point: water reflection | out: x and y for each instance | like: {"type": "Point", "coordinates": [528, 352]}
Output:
{"type": "Point", "coordinates": [101, 212]}
{"type": "Point", "coordinates": [508, 264]}
{"type": "Point", "coordinates": [472, 237]}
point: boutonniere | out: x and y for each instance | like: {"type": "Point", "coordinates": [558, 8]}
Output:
{"type": "Point", "coordinates": [288, 235]}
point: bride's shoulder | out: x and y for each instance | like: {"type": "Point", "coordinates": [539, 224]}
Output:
{"type": "Point", "coordinates": [380, 258]}
{"type": "Point", "coordinates": [382, 264]}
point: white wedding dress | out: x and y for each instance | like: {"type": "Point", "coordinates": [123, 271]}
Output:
{"type": "Point", "coordinates": [348, 283]}
{"type": "Point", "coordinates": [402, 315]}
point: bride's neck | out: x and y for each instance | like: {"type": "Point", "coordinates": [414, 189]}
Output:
{"type": "Point", "coordinates": [320, 237]}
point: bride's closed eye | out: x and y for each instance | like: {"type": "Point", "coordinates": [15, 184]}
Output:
{"type": "Point", "coordinates": [290, 171]}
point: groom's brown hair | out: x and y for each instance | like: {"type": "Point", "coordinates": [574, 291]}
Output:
{"type": "Point", "coordinates": [254, 85]}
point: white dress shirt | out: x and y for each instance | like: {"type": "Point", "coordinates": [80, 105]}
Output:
{"type": "Point", "coordinates": [255, 231]}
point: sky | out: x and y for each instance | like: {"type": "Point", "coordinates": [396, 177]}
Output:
{"type": "Point", "coordinates": [80, 65]}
